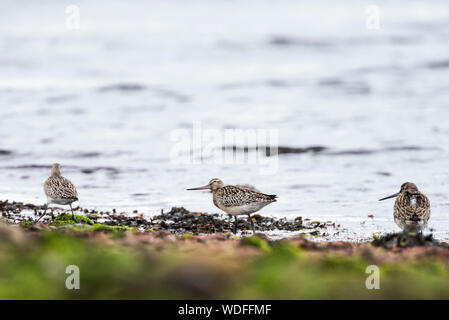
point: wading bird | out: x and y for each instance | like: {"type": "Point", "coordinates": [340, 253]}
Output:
{"type": "Point", "coordinates": [236, 200]}
{"type": "Point", "coordinates": [411, 209]}
{"type": "Point", "coordinates": [59, 190]}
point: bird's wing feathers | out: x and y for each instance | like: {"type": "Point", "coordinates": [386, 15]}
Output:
{"type": "Point", "coordinates": [233, 196]}
{"type": "Point", "coordinates": [60, 188]}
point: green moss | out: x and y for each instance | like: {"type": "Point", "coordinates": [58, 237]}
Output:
{"type": "Point", "coordinates": [257, 242]}
{"type": "Point", "coordinates": [286, 249]}
{"type": "Point", "coordinates": [26, 224]}
{"type": "Point", "coordinates": [185, 236]}
{"type": "Point", "coordinates": [66, 219]}
{"type": "Point", "coordinates": [104, 228]}
{"type": "Point", "coordinates": [348, 264]}
{"type": "Point", "coordinates": [35, 268]}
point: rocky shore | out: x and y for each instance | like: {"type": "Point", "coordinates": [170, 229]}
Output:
{"type": "Point", "coordinates": [176, 221]}
{"type": "Point", "coordinates": [180, 221]}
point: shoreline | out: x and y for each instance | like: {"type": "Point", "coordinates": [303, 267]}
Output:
{"type": "Point", "coordinates": [177, 221]}
{"type": "Point", "coordinates": [182, 222]}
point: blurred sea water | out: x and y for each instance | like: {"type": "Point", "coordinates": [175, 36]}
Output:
{"type": "Point", "coordinates": [104, 100]}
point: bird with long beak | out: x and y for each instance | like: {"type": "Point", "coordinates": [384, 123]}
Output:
{"type": "Point", "coordinates": [411, 209]}
{"type": "Point", "coordinates": [237, 200]}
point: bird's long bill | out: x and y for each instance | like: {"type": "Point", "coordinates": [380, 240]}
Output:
{"type": "Point", "coordinates": [392, 196]}
{"type": "Point", "coordinates": [200, 188]}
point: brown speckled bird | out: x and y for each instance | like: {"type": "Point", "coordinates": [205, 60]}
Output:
{"type": "Point", "coordinates": [59, 190]}
{"type": "Point", "coordinates": [237, 200]}
{"type": "Point", "coordinates": [411, 209]}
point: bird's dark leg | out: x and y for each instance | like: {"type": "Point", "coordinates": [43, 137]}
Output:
{"type": "Point", "coordinates": [235, 224]}
{"type": "Point", "coordinates": [45, 212]}
{"type": "Point", "coordinates": [252, 224]}
{"type": "Point", "coordinates": [73, 215]}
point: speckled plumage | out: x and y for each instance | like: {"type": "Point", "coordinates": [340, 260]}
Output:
{"type": "Point", "coordinates": [247, 186]}
{"type": "Point", "coordinates": [237, 200]}
{"type": "Point", "coordinates": [59, 190]}
{"type": "Point", "coordinates": [411, 209]}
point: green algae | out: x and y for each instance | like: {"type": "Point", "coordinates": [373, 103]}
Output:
{"type": "Point", "coordinates": [104, 228]}
{"type": "Point", "coordinates": [33, 266]}
{"type": "Point", "coordinates": [65, 219]}
{"type": "Point", "coordinates": [185, 236]}
{"type": "Point", "coordinates": [26, 224]}
{"type": "Point", "coordinates": [256, 242]}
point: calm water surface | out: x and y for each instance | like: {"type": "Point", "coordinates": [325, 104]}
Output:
{"type": "Point", "coordinates": [105, 99]}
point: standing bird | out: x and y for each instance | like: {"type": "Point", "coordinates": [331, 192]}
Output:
{"type": "Point", "coordinates": [59, 190]}
{"type": "Point", "coordinates": [237, 200]}
{"type": "Point", "coordinates": [411, 209]}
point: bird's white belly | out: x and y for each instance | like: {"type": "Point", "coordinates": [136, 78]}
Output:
{"type": "Point", "coordinates": [243, 209]}
{"type": "Point", "coordinates": [60, 201]}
